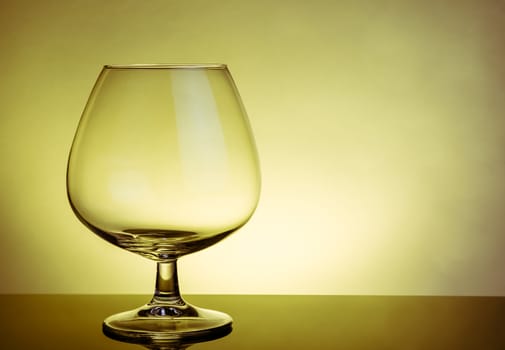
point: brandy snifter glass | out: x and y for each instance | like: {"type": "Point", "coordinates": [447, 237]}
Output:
{"type": "Point", "coordinates": [163, 164]}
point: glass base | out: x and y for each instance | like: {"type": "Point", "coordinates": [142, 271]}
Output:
{"type": "Point", "coordinates": [155, 323]}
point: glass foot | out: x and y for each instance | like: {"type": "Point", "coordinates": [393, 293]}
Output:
{"type": "Point", "coordinates": [154, 323]}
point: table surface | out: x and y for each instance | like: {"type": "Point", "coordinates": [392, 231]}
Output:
{"type": "Point", "coordinates": [270, 322]}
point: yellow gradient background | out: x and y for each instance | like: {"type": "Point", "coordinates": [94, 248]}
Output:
{"type": "Point", "coordinates": [380, 127]}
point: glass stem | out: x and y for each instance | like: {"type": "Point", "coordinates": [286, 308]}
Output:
{"type": "Point", "coordinates": [167, 284]}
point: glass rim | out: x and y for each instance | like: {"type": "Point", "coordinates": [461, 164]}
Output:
{"type": "Point", "coordinates": [167, 66]}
